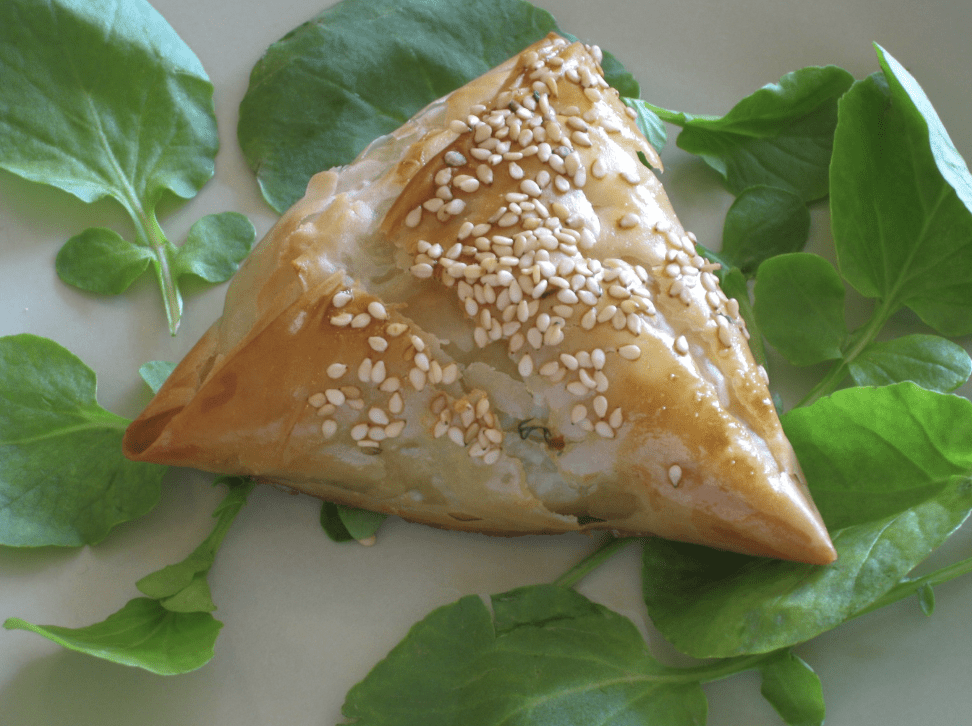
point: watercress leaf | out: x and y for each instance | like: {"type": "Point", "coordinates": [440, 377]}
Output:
{"type": "Point", "coordinates": [547, 655]}
{"type": "Point", "coordinates": [902, 202]}
{"type": "Point", "coordinates": [649, 123]}
{"type": "Point", "coordinates": [360, 69]}
{"type": "Point", "coordinates": [155, 372]}
{"type": "Point", "coordinates": [763, 222]}
{"type": "Point", "coordinates": [64, 480]}
{"type": "Point", "coordinates": [793, 689]}
{"type": "Point", "coordinates": [930, 361]}
{"type": "Point", "coordinates": [709, 603]}
{"type": "Point", "coordinates": [102, 98]}
{"type": "Point", "coordinates": [215, 247]}
{"type": "Point", "coordinates": [926, 599]}
{"type": "Point", "coordinates": [100, 260]}
{"type": "Point", "coordinates": [869, 453]}
{"type": "Point", "coordinates": [799, 306]}
{"type": "Point", "coordinates": [343, 524]}
{"type": "Point", "coordinates": [779, 136]}
{"type": "Point", "coordinates": [142, 634]}
{"type": "Point", "coordinates": [182, 587]}
{"type": "Point", "coordinates": [618, 76]}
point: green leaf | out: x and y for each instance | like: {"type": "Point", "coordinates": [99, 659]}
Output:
{"type": "Point", "coordinates": [142, 634]}
{"type": "Point", "coordinates": [359, 70]}
{"type": "Point", "coordinates": [793, 689]}
{"type": "Point", "coordinates": [547, 655]}
{"type": "Point", "coordinates": [872, 452]}
{"type": "Point", "coordinates": [101, 98]}
{"type": "Point", "coordinates": [890, 471]}
{"type": "Point", "coordinates": [343, 524]}
{"type": "Point", "coordinates": [928, 360]}
{"type": "Point", "coordinates": [780, 136]}
{"type": "Point", "coordinates": [155, 372]}
{"type": "Point", "coordinates": [718, 604]}
{"type": "Point", "coordinates": [763, 222]}
{"type": "Point", "coordinates": [216, 246]}
{"type": "Point", "coordinates": [902, 202]}
{"type": "Point", "coordinates": [926, 599]}
{"type": "Point", "coordinates": [799, 305]}
{"type": "Point", "coordinates": [64, 480]}
{"type": "Point", "coordinates": [182, 587]}
{"type": "Point", "coordinates": [649, 123]}
{"type": "Point", "coordinates": [100, 260]}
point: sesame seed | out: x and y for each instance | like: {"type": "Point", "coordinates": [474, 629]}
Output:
{"type": "Point", "coordinates": [586, 378]}
{"type": "Point", "coordinates": [359, 431]}
{"type": "Point", "coordinates": [577, 388]}
{"type": "Point", "coordinates": [342, 320]}
{"type": "Point", "coordinates": [378, 344]}
{"type": "Point", "coordinates": [376, 415]}
{"type": "Point", "coordinates": [549, 368]}
{"type": "Point", "coordinates": [603, 428]}
{"type": "Point", "coordinates": [395, 403]}
{"type": "Point", "coordinates": [725, 335]}
{"type": "Point", "coordinates": [423, 271]}
{"type": "Point", "coordinates": [441, 429]}
{"type": "Point", "coordinates": [416, 377]}
{"type": "Point", "coordinates": [681, 345]}
{"type": "Point", "coordinates": [598, 170]}
{"type": "Point", "coordinates": [329, 427]}
{"type": "Point", "coordinates": [450, 373]}
{"type": "Point", "coordinates": [600, 406]}
{"type": "Point", "coordinates": [561, 184]}
{"type": "Point", "coordinates": [616, 418]}
{"type": "Point", "coordinates": [492, 456]}
{"type": "Point", "coordinates": [516, 171]}
{"type": "Point", "coordinates": [525, 366]}
{"type": "Point", "coordinates": [589, 319]}
{"type": "Point", "coordinates": [454, 158]}
{"type": "Point", "coordinates": [630, 352]}
{"type": "Point", "coordinates": [394, 429]}
{"type": "Point", "coordinates": [336, 370]}
{"type": "Point", "coordinates": [480, 153]}
{"type": "Point", "coordinates": [675, 474]}
{"type": "Point", "coordinates": [456, 435]}
{"type": "Point", "coordinates": [335, 396]}
{"type": "Point", "coordinates": [581, 138]}
{"type": "Point", "coordinates": [390, 385]}
{"type": "Point", "coordinates": [578, 413]}
{"type": "Point", "coordinates": [455, 206]}
{"type": "Point", "coordinates": [317, 400]}
{"type": "Point", "coordinates": [629, 221]}
{"type": "Point", "coordinates": [421, 361]}
{"type": "Point", "coordinates": [378, 372]}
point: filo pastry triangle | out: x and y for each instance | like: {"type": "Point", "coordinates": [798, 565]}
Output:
{"type": "Point", "coordinates": [493, 321]}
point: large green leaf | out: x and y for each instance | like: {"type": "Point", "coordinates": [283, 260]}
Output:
{"type": "Point", "coordinates": [930, 361]}
{"type": "Point", "coordinates": [142, 634]}
{"type": "Point", "coordinates": [902, 201]}
{"type": "Point", "coordinates": [546, 656]}
{"type": "Point", "coordinates": [63, 478]}
{"type": "Point", "coordinates": [799, 305]}
{"type": "Point", "coordinates": [719, 604]}
{"type": "Point", "coordinates": [102, 98]}
{"type": "Point", "coordinates": [362, 68]}
{"type": "Point", "coordinates": [779, 136]}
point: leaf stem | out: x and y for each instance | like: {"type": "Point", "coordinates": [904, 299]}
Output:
{"type": "Point", "coordinates": [594, 560]}
{"type": "Point", "coordinates": [856, 343]}
{"type": "Point", "coordinates": [149, 234]}
{"type": "Point", "coordinates": [911, 585]}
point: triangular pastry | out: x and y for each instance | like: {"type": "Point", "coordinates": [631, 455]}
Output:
{"type": "Point", "coordinates": [492, 321]}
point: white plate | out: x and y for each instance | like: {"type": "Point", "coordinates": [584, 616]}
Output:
{"type": "Point", "coordinates": [304, 618]}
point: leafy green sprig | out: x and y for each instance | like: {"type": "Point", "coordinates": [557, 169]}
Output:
{"type": "Point", "coordinates": [172, 629]}
{"type": "Point", "coordinates": [103, 99]}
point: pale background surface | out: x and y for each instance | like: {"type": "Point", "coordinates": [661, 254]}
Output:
{"type": "Point", "coordinates": [304, 618]}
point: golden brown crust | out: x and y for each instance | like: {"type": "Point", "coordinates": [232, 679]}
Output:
{"type": "Point", "coordinates": [493, 321]}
